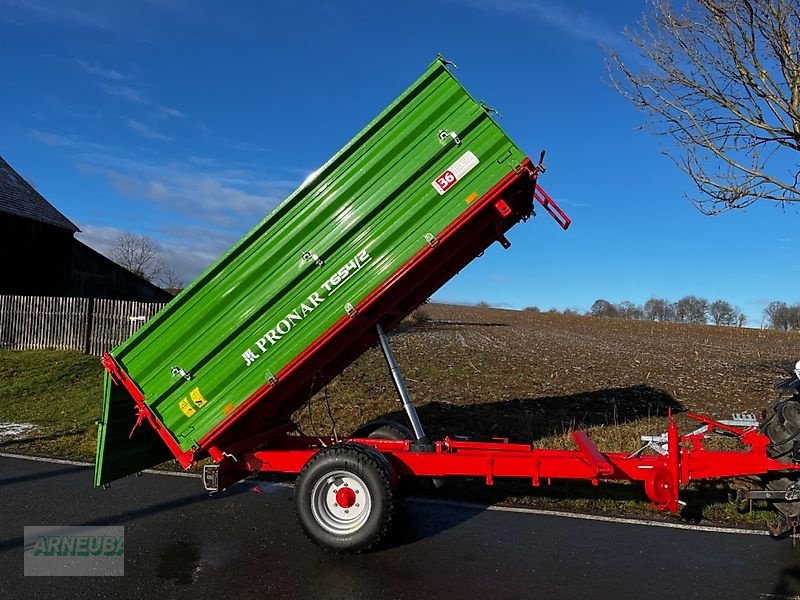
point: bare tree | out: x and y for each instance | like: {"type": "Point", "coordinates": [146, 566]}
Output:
{"type": "Point", "coordinates": [722, 78]}
{"type": "Point", "coordinates": [659, 309]}
{"type": "Point", "coordinates": [139, 254]}
{"type": "Point", "coordinates": [170, 280]}
{"type": "Point", "coordinates": [723, 312]}
{"type": "Point", "coordinates": [691, 309]}
{"type": "Point", "coordinates": [778, 315]}
{"type": "Point", "coordinates": [603, 308]}
{"type": "Point", "coordinates": [630, 311]}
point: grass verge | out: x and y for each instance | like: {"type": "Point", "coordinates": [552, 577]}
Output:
{"type": "Point", "coordinates": [60, 393]}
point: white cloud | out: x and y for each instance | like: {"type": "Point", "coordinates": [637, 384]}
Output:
{"type": "Point", "coordinates": [99, 237]}
{"type": "Point", "coordinates": [188, 251]}
{"type": "Point", "coordinates": [195, 208]}
{"type": "Point", "coordinates": [220, 198]}
{"type": "Point", "coordinates": [125, 92]}
{"type": "Point", "coordinates": [71, 143]}
{"type": "Point", "coordinates": [572, 21]}
{"type": "Point", "coordinates": [146, 131]}
{"type": "Point", "coordinates": [137, 96]}
{"type": "Point", "coordinates": [56, 12]}
{"type": "Point", "coordinates": [166, 111]}
{"type": "Point", "coordinates": [95, 69]}
{"type": "Point", "coordinates": [52, 139]}
{"type": "Point", "coordinates": [96, 14]}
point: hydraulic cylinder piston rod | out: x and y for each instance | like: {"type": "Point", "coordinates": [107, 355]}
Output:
{"type": "Point", "coordinates": [400, 385]}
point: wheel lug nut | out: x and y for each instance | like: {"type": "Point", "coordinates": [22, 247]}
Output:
{"type": "Point", "coordinates": [346, 511]}
{"type": "Point", "coordinates": [357, 505]}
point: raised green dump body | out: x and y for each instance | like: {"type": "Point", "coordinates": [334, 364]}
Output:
{"type": "Point", "coordinates": [207, 369]}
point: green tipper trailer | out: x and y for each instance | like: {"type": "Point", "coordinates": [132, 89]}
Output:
{"type": "Point", "coordinates": [239, 349]}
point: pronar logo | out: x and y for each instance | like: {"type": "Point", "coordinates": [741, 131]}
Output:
{"type": "Point", "coordinates": [77, 545]}
{"type": "Point", "coordinates": [74, 550]}
{"type": "Point", "coordinates": [307, 306]}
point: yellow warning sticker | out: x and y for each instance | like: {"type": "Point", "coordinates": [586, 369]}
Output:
{"type": "Point", "coordinates": [472, 197]}
{"type": "Point", "coordinates": [197, 397]}
{"type": "Point", "coordinates": [186, 407]}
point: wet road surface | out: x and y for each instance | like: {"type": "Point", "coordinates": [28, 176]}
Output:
{"type": "Point", "coordinates": [246, 544]}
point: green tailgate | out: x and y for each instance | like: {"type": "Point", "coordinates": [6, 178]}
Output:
{"type": "Point", "coordinates": [409, 174]}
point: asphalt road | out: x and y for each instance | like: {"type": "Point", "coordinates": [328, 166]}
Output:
{"type": "Point", "coordinates": [246, 544]}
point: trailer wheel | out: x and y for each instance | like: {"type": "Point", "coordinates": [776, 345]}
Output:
{"type": "Point", "coordinates": [383, 429]}
{"type": "Point", "coordinates": [392, 431]}
{"type": "Point", "coordinates": [783, 429]}
{"type": "Point", "coordinates": [345, 498]}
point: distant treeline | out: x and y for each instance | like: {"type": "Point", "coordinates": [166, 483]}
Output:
{"type": "Point", "coordinates": [691, 309]}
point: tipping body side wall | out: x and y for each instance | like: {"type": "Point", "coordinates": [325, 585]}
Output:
{"type": "Point", "coordinates": [367, 211]}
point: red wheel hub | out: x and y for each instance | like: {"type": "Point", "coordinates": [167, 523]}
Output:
{"type": "Point", "coordinates": [345, 497]}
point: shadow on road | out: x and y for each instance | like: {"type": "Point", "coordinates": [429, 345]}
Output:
{"type": "Point", "coordinates": [60, 470]}
{"type": "Point", "coordinates": [128, 516]}
{"type": "Point", "coordinates": [788, 584]}
{"type": "Point", "coordinates": [411, 528]}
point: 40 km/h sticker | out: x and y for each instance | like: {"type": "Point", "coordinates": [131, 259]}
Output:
{"type": "Point", "coordinates": [457, 170]}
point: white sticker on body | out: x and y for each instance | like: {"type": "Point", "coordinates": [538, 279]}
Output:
{"type": "Point", "coordinates": [457, 170]}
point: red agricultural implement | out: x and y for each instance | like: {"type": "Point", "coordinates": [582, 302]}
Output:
{"type": "Point", "coordinates": [423, 190]}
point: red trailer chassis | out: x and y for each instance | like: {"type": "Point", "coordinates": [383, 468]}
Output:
{"type": "Point", "coordinates": [685, 459]}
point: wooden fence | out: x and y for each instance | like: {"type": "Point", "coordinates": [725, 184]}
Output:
{"type": "Point", "coordinates": [86, 324]}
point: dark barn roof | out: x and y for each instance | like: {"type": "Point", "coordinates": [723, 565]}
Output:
{"type": "Point", "coordinates": [17, 197]}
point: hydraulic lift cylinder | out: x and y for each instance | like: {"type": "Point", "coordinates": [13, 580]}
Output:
{"type": "Point", "coordinates": [400, 385]}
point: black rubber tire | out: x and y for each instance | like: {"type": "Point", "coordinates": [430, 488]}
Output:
{"type": "Point", "coordinates": [383, 429]}
{"type": "Point", "coordinates": [783, 429]}
{"type": "Point", "coordinates": [376, 473]}
{"type": "Point", "coordinates": [391, 431]}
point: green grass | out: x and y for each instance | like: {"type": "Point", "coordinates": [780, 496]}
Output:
{"type": "Point", "coordinates": [59, 392]}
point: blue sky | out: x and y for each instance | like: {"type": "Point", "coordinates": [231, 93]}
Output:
{"type": "Point", "coordinates": [187, 121]}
